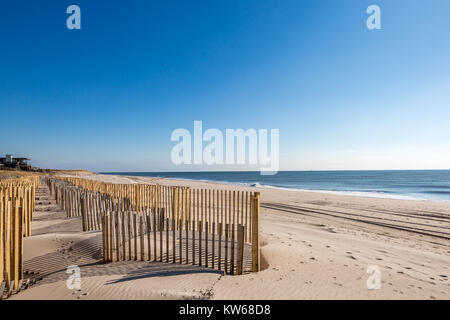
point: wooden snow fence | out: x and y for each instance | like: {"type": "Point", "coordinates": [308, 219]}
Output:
{"type": "Point", "coordinates": [17, 203]}
{"type": "Point", "coordinates": [212, 228]}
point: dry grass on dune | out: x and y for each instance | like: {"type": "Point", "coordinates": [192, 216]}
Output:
{"type": "Point", "coordinates": [14, 174]}
{"type": "Point", "coordinates": [74, 171]}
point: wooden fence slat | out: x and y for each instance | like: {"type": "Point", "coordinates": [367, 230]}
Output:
{"type": "Point", "coordinates": [213, 243]}
{"type": "Point", "coordinates": [200, 230]}
{"type": "Point", "coordinates": [141, 225]}
{"type": "Point", "coordinates": [161, 227]}
{"type": "Point", "coordinates": [116, 223]}
{"type": "Point", "coordinates": [226, 247]}
{"type": "Point", "coordinates": [206, 242]}
{"type": "Point", "coordinates": [130, 234]}
{"type": "Point", "coordinates": [148, 221]}
{"type": "Point", "coordinates": [240, 250]}
{"type": "Point", "coordinates": [193, 242]}
{"type": "Point", "coordinates": [232, 249]}
{"type": "Point", "coordinates": [135, 236]}
{"type": "Point", "coordinates": [167, 239]}
{"type": "Point", "coordinates": [110, 237]}
{"type": "Point", "coordinates": [124, 235]}
{"type": "Point", "coordinates": [2, 234]}
{"type": "Point", "coordinates": [255, 233]}
{"type": "Point", "coordinates": [186, 225]}
{"type": "Point", "coordinates": [103, 239]}
{"type": "Point", "coordinates": [173, 240]}
{"type": "Point", "coordinates": [19, 245]}
{"type": "Point", "coordinates": [208, 229]}
{"type": "Point", "coordinates": [180, 228]}
{"type": "Point", "coordinates": [155, 257]}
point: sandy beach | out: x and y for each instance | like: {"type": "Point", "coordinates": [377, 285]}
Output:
{"type": "Point", "coordinates": [313, 246]}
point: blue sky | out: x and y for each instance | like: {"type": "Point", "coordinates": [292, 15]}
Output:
{"type": "Point", "coordinates": [107, 97]}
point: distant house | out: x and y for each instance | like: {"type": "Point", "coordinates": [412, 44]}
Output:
{"type": "Point", "coordinates": [10, 162]}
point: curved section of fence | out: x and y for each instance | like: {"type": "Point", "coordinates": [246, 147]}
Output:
{"type": "Point", "coordinates": [213, 228]}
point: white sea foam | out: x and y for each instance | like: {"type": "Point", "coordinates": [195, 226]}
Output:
{"type": "Point", "coordinates": [371, 194]}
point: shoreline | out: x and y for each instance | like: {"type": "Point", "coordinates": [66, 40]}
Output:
{"type": "Point", "coordinates": [359, 194]}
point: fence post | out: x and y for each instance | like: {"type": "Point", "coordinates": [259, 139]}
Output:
{"type": "Point", "coordinates": [148, 235]}
{"type": "Point", "coordinates": [167, 239]}
{"type": "Point", "coordinates": [141, 227]}
{"type": "Point", "coordinates": [117, 224]}
{"type": "Point", "coordinates": [213, 244]}
{"type": "Point", "coordinates": [130, 231]}
{"type": "Point", "coordinates": [135, 235]}
{"type": "Point", "coordinates": [180, 229]}
{"type": "Point", "coordinates": [240, 248]}
{"type": "Point", "coordinates": [186, 226]}
{"type": "Point", "coordinates": [256, 258]}
{"type": "Point", "coordinates": [193, 242]}
{"type": "Point", "coordinates": [200, 229]}
{"type": "Point", "coordinates": [227, 228]}
{"type": "Point", "coordinates": [232, 248]}
{"type": "Point", "coordinates": [161, 228]}
{"type": "Point", "coordinates": [103, 239]}
{"type": "Point", "coordinates": [137, 198]}
{"type": "Point", "coordinates": [220, 246]}
{"type": "Point", "coordinates": [154, 235]}
{"type": "Point", "coordinates": [84, 213]}
{"type": "Point", "coordinates": [2, 233]}
{"type": "Point", "coordinates": [19, 238]}
{"type": "Point", "coordinates": [175, 205]}
{"type": "Point", "coordinates": [124, 236]}
{"type": "Point", "coordinates": [207, 226]}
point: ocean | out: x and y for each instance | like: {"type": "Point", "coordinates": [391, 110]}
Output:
{"type": "Point", "coordinates": [409, 184]}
